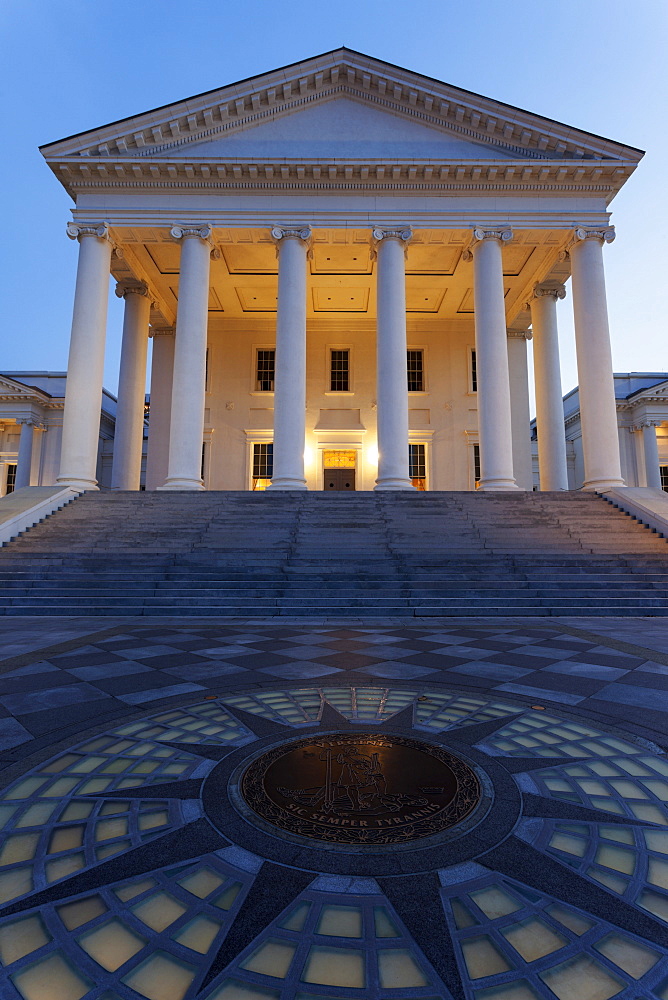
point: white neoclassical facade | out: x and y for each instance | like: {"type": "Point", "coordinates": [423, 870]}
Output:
{"type": "Point", "coordinates": [641, 400]}
{"type": "Point", "coordinates": [338, 263]}
{"type": "Point", "coordinates": [31, 423]}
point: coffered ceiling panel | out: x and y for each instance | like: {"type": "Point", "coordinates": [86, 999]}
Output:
{"type": "Point", "coordinates": [515, 259]}
{"type": "Point", "coordinates": [423, 299]}
{"type": "Point", "coordinates": [432, 259]}
{"type": "Point", "coordinates": [341, 259]}
{"type": "Point", "coordinates": [256, 299]}
{"type": "Point", "coordinates": [466, 304]}
{"type": "Point", "coordinates": [259, 258]}
{"type": "Point", "coordinates": [165, 256]}
{"type": "Point", "coordinates": [340, 299]}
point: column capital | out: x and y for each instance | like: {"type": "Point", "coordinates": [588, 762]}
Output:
{"type": "Point", "coordinates": [302, 233]}
{"type": "Point", "coordinates": [161, 331]}
{"type": "Point", "coordinates": [202, 232]}
{"type": "Point", "coordinates": [405, 234]}
{"type": "Point", "coordinates": [503, 235]}
{"type": "Point", "coordinates": [581, 233]}
{"type": "Point", "coordinates": [77, 230]}
{"type": "Point", "coordinates": [130, 286]}
{"type": "Point", "coordinates": [546, 289]}
{"type": "Point", "coordinates": [519, 334]}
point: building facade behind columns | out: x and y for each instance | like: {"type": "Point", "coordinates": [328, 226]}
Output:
{"type": "Point", "coordinates": [339, 264]}
{"type": "Point", "coordinates": [641, 400]}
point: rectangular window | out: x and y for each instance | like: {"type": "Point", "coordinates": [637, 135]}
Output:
{"type": "Point", "coordinates": [11, 478]}
{"type": "Point", "coordinates": [417, 466]}
{"type": "Point", "coordinates": [663, 469]}
{"type": "Point", "coordinates": [263, 465]}
{"type": "Point", "coordinates": [476, 465]}
{"type": "Point", "coordinates": [415, 366]}
{"type": "Point", "coordinates": [474, 372]}
{"type": "Point", "coordinates": [339, 371]}
{"type": "Point", "coordinates": [264, 370]}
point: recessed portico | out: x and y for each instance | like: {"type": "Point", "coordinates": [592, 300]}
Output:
{"type": "Point", "coordinates": [331, 258]}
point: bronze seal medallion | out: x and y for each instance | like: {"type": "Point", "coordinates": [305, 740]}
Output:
{"type": "Point", "coordinates": [360, 789]}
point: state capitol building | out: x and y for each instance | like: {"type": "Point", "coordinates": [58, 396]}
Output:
{"type": "Point", "coordinates": [339, 264]}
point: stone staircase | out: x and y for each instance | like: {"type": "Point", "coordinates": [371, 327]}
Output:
{"type": "Point", "coordinates": [329, 554]}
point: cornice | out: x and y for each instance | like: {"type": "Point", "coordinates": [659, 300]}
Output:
{"type": "Point", "coordinates": [542, 177]}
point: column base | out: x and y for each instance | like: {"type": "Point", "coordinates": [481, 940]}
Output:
{"type": "Point", "coordinates": [286, 484]}
{"type": "Point", "coordinates": [192, 485]}
{"type": "Point", "coordinates": [601, 485]}
{"type": "Point", "coordinates": [393, 485]}
{"type": "Point", "coordinates": [497, 485]}
{"type": "Point", "coordinates": [77, 484]}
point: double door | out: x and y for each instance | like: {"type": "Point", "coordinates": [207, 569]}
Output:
{"type": "Point", "coordinates": [340, 479]}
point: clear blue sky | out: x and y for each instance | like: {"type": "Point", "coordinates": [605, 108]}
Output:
{"type": "Point", "coordinates": [71, 65]}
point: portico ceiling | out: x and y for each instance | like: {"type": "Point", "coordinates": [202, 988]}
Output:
{"type": "Point", "coordinates": [439, 282]}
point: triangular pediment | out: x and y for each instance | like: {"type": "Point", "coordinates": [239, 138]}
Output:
{"type": "Point", "coordinates": [344, 93]}
{"type": "Point", "coordinates": [17, 391]}
{"type": "Point", "coordinates": [341, 128]}
{"type": "Point", "coordinates": [657, 391]}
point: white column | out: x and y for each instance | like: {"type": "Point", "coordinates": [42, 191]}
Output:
{"type": "Point", "coordinates": [290, 375]}
{"type": "Point", "coordinates": [162, 372]}
{"type": "Point", "coordinates": [600, 441]}
{"type": "Point", "coordinates": [494, 411]}
{"type": "Point", "coordinates": [651, 452]}
{"type": "Point", "coordinates": [129, 431]}
{"type": "Point", "coordinates": [83, 394]}
{"type": "Point", "coordinates": [24, 461]}
{"type": "Point", "coordinates": [518, 373]}
{"type": "Point", "coordinates": [186, 432]}
{"type": "Point", "coordinates": [549, 399]}
{"type": "Point", "coordinates": [391, 363]}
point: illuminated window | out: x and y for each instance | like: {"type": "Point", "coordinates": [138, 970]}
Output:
{"type": "Point", "coordinates": [663, 469]}
{"type": "Point", "coordinates": [417, 466]}
{"type": "Point", "coordinates": [263, 465]}
{"type": "Point", "coordinates": [415, 368]}
{"type": "Point", "coordinates": [476, 466]}
{"type": "Point", "coordinates": [11, 478]}
{"type": "Point", "coordinates": [264, 370]}
{"type": "Point", "coordinates": [339, 371]}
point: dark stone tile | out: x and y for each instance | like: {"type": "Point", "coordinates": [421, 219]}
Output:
{"type": "Point", "coordinates": [136, 682]}
{"type": "Point", "coordinates": [441, 661]}
{"type": "Point", "coordinates": [518, 660]}
{"type": "Point", "coordinates": [348, 661]}
{"type": "Point", "coordinates": [642, 679]}
{"type": "Point", "coordinates": [609, 659]}
{"type": "Point", "coordinates": [190, 644]}
{"type": "Point", "coordinates": [343, 645]}
{"type": "Point", "coordinates": [81, 715]}
{"type": "Point", "coordinates": [33, 682]}
{"type": "Point", "coordinates": [68, 660]}
{"type": "Point", "coordinates": [54, 699]}
{"type": "Point", "coordinates": [419, 645]}
{"type": "Point", "coordinates": [581, 686]}
{"type": "Point", "coordinates": [562, 642]}
{"type": "Point", "coordinates": [252, 661]}
{"type": "Point", "coordinates": [500, 645]}
{"type": "Point", "coordinates": [172, 660]}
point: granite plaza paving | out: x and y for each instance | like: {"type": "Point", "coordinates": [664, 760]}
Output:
{"type": "Point", "coordinates": [131, 866]}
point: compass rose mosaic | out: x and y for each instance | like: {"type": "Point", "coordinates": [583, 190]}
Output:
{"type": "Point", "coordinates": [338, 842]}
